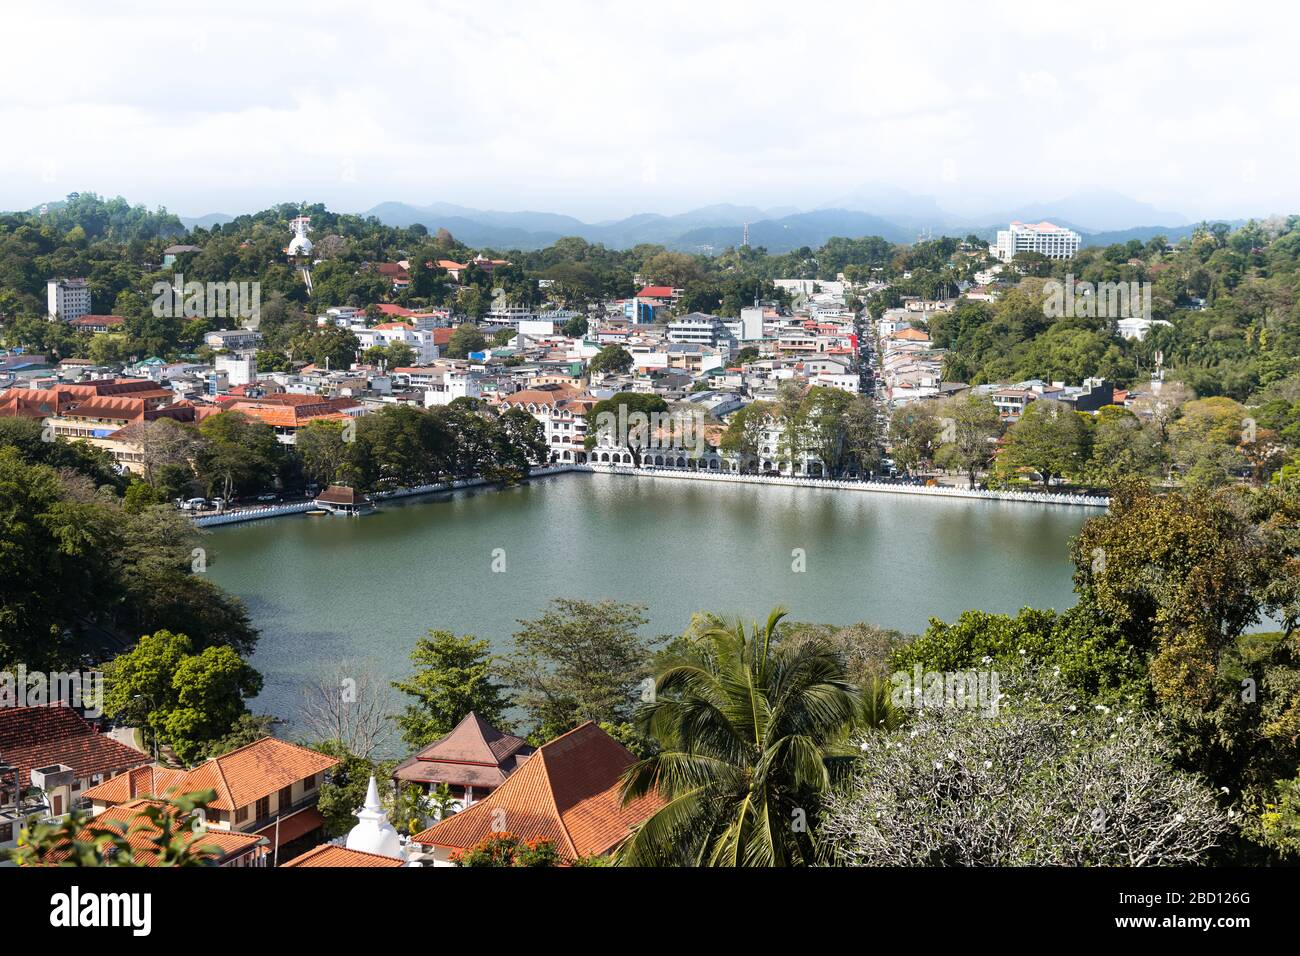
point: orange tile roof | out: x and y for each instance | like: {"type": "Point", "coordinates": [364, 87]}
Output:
{"type": "Point", "coordinates": [142, 832]}
{"type": "Point", "coordinates": [55, 733]}
{"type": "Point", "coordinates": [147, 781]}
{"type": "Point", "coordinates": [473, 754]}
{"type": "Point", "coordinates": [239, 778]}
{"type": "Point", "coordinates": [290, 411]}
{"type": "Point", "coordinates": [568, 792]}
{"type": "Point", "coordinates": [328, 855]}
{"type": "Point", "coordinates": [29, 403]}
{"type": "Point", "coordinates": [388, 308]}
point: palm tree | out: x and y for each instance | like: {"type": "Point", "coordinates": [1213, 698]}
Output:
{"type": "Point", "coordinates": [751, 734]}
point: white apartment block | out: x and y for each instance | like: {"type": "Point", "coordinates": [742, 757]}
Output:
{"type": "Point", "coordinates": [68, 299]}
{"type": "Point", "coordinates": [697, 329]}
{"type": "Point", "coordinates": [1046, 238]}
{"type": "Point", "coordinates": [238, 369]}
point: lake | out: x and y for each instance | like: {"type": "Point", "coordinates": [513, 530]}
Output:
{"type": "Point", "coordinates": [358, 592]}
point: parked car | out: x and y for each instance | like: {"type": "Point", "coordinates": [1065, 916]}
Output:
{"type": "Point", "coordinates": [194, 504]}
{"type": "Point", "coordinates": [266, 498]}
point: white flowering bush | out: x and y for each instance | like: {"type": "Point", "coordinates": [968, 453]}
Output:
{"type": "Point", "coordinates": [1047, 781]}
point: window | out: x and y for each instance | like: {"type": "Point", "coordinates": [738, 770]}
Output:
{"type": "Point", "coordinates": [241, 814]}
{"type": "Point", "coordinates": [263, 808]}
{"type": "Point", "coordinates": [309, 783]}
{"type": "Point", "coordinates": [286, 796]}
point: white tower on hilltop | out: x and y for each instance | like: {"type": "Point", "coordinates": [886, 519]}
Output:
{"type": "Point", "coordinates": [373, 833]}
{"type": "Point", "coordinates": [300, 245]}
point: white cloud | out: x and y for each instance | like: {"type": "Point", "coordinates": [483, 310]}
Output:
{"type": "Point", "coordinates": [601, 108]}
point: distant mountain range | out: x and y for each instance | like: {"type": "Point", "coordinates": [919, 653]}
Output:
{"type": "Point", "coordinates": [1101, 216]}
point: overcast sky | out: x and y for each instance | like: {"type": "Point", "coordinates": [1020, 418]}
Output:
{"type": "Point", "coordinates": [603, 109]}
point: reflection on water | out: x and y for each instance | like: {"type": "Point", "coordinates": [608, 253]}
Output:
{"type": "Point", "coordinates": [361, 591]}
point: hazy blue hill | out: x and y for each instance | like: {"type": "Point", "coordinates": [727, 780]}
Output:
{"type": "Point", "coordinates": [1100, 215]}
{"type": "Point", "coordinates": [207, 221]}
{"type": "Point", "coordinates": [1096, 211]}
{"type": "Point", "coordinates": [810, 229]}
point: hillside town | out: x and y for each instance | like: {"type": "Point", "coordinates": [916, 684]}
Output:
{"type": "Point", "coordinates": [867, 337]}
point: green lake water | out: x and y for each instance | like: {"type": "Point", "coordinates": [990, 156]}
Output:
{"type": "Point", "coordinates": [358, 592]}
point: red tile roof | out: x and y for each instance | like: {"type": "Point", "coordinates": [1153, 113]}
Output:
{"type": "Point", "coordinates": [291, 411]}
{"type": "Point", "coordinates": [29, 403]}
{"type": "Point", "coordinates": [91, 321]}
{"type": "Point", "coordinates": [141, 833]}
{"type": "Point", "coordinates": [55, 733]}
{"type": "Point", "coordinates": [568, 792]}
{"type": "Point", "coordinates": [473, 754]}
{"type": "Point", "coordinates": [240, 777]}
{"type": "Point", "coordinates": [656, 292]}
{"type": "Point", "coordinates": [329, 855]}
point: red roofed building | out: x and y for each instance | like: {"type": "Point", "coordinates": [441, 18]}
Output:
{"type": "Point", "coordinates": [394, 272]}
{"type": "Point", "coordinates": [473, 760]}
{"type": "Point", "coordinates": [269, 787]}
{"type": "Point", "coordinates": [568, 793]}
{"type": "Point", "coordinates": [665, 292]}
{"type": "Point", "coordinates": [387, 308]}
{"type": "Point", "coordinates": [287, 413]}
{"type": "Point", "coordinates": [33, 403]}
{"type": "Point", "coordinates": [47, 737]}
{"type": "Point", "coordinates": [97, 323]}
{"type": "Point", "coordinates": [224, 848]}
{"type": "Point", "coordinates": [338, 856]}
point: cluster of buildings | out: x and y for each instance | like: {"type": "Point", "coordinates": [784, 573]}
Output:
{"type": "Point", "coordinates": [264, 810]}
{"type": "Point", "coordinates": [718, 364]}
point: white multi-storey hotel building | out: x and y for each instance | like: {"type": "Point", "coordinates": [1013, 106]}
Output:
{"type": "Point", "coordinates": [1047, 238]}
{"type": "Point", "coordinates": [68, 299]}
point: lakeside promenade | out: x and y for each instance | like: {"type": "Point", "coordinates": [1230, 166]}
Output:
{"type": "Point", "coordinates": [683, 474]}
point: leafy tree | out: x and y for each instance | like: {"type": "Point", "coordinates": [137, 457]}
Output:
{"type": "Point", "coordinates": [610, 359]}
{"type": "Point", "coordinates": [750, 737]}
{"type": "Point", "coordinates": [1122, 446]}
{"type": "Point", "coordinates": [576, 327]}
{"type": "Point", "coordinates": [1050, 438]}
{"type": "Point", "coordinates": [579, 661]}
{"type": "Point", "coordinates": [184, 699]}
{"type": "Point", "coordinates": [622, 407]}
{"type": "Point", "coordinates": [64, 544]}
{"type": "Point", "coordinates": [970, 426]}
{"type": "Point", "coordinates": [324, 451]}
{"type": "Point", "coordinates": [1205, 439]}
{"type": "Point", "coordinates": [465, 339]}
{"type": "Point", "coordinates": [823, 412]}
{"type": "Point", "coordinates": [453, 676]}
{"type": "Point", "coordinates": [330, 346]}
{"type": "Point", "coordinates": [745, 429]}
{"type": "Point", "coordinates": [914, 432]}
{"type": "Point", "coordinates": [862, 433]}
{"type": "Point", "coordinates": [238, 454]}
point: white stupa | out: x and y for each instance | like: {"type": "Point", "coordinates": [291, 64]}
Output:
{"type": "Point", "coordinates": [299, 245]}
{"type": "Point", "coordinates": [373, 833]}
